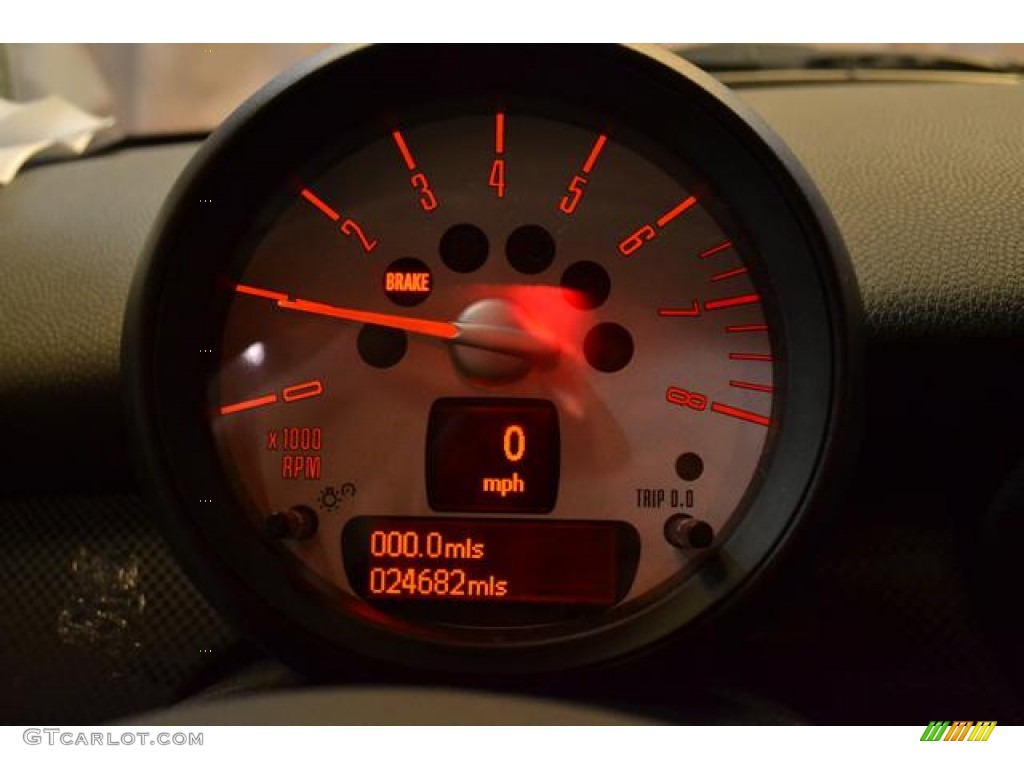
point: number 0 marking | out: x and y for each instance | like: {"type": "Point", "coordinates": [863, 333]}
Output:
{"type": "Point", "coordinates": [311, 388]}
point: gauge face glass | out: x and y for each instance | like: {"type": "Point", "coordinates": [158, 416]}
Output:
{"type": "Point", "coordinates": [495, 370]}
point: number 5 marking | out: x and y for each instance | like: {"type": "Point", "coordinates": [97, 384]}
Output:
{"type": "Point", "coordinates": [567, 204]}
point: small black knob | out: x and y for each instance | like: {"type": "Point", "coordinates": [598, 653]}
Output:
{"type": "Point", "coordinates": [688, 532]}
{"type": "Point", "coordinates": [296, 523]}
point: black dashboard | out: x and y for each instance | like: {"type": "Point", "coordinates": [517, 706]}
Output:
{"type": "Point", "coordinates": [895, 599]}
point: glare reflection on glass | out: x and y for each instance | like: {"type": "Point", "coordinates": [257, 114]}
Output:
{"type": "Point", "coordinates": [254, 354]}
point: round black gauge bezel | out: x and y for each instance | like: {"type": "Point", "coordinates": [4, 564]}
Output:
{"type": "Point", "coordinates": [171, 330]}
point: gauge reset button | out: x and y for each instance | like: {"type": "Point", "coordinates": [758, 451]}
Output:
{"type": "Point", "coordinates": [688, 532]}
{"type": "Point", "coordinates": [296, 523]}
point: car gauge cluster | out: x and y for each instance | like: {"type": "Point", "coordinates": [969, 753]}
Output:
{"type": "Point", "coordinates": [488, 358]}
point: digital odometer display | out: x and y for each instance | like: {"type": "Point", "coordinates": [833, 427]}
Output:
{"type": "Point", "coordinates": [542, 563]}
{"type": "Point", "coordinates": [492, 455]}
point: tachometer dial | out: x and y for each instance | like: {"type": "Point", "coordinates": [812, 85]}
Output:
{"type": "Point", "coordinates": [537, 371]}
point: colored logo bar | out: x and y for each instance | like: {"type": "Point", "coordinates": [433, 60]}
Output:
{"type": "Point", "coordinates": [959, 730]}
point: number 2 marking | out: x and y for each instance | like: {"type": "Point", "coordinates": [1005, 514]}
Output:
{"type": "Point", "coordinates": [350, 228]}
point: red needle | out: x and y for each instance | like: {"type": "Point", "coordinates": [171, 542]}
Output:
{"type": "Point", "coordinates": [439, 329]}
{"type": "Point", "coordinates": [499, 338]}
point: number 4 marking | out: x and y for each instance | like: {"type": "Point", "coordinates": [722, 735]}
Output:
{"type": "Point", "coordinates": [497, 177]}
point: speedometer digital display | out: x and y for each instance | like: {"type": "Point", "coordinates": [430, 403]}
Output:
{"type": "Point", "coordinates": [539, 368]}
{"type": "Point", "coordinates": [492, 455]}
